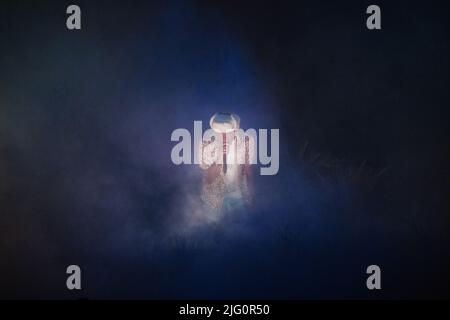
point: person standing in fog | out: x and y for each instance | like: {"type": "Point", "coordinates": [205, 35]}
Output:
{"type": "Point", "coordinates": [227, 165]}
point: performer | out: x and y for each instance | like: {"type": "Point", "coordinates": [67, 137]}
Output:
{"type": "Point", "coordinates": [227, 164]}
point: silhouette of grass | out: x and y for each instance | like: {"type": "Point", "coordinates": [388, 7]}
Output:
{"type": "Point", "coordinates": [330, 170]}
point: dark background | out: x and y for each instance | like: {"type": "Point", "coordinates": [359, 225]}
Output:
{"type": "Point", "coordinates": [85, 170]}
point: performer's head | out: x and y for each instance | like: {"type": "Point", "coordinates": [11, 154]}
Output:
{"type": "Point", "coordinates": [223, 122]}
